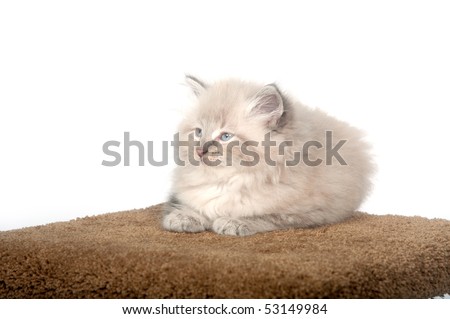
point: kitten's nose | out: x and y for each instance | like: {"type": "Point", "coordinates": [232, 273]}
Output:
{"type": "Point", "coordinates": [200, 151]}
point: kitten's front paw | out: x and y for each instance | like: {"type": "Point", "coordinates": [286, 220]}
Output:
{"type": "Point", "coordinates": [232, 227]}
{"type": "Point", "coordinates": [182, 221]}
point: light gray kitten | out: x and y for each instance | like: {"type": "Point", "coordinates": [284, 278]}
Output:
{"type": "Point", "coordinates": [256, 160]}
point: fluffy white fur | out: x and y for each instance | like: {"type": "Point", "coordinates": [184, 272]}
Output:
{"type": "Point", "coordinates": [243, 200]}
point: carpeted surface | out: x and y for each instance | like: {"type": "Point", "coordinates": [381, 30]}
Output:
{"type": "Point", "coordinates": [128, 255]}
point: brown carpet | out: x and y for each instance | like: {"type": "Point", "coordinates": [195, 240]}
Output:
{"type": "Point", "coordinates": [128, 255]}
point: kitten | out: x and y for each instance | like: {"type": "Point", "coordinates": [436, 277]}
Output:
{"type": "Point", "coordinates": [256, 160]}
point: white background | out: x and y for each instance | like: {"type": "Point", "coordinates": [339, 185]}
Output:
{"type": "Point", "coordinates": [75, 74]}
{"type": "Point", "coordinates": [336, 308]}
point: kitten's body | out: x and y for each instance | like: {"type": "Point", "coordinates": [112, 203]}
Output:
{"type": "Point", "coordinates": [242, 200]}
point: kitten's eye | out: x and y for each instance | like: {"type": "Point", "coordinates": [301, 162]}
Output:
{"type": "Point", "coordinates": [198, 132]}
{"type": "Point", "coordinates": [226, 137]}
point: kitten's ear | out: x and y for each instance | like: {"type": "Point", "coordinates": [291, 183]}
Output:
{"type": "Point", "coordinates": [267, 105]}
{"type": "Point", "coordinates": [197, 86]}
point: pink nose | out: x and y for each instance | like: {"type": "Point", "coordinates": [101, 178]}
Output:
{"type": "Point", "coordinates": [200, 151]}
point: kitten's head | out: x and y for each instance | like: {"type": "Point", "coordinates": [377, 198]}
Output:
{"type": "Point", "coordinates": [229, 122]}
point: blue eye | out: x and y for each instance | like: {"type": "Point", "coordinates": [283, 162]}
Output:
{"type": "Point", "coordinates": [226, 137]}
{"type": "Point", "coordinates": [198, 132]}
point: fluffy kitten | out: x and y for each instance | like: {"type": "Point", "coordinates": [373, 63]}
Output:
{"type": "Point", "coordinates": [315, 171]}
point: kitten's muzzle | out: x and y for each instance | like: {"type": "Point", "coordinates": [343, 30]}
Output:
{"type": "Point", "coordinates": [202, 151]}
